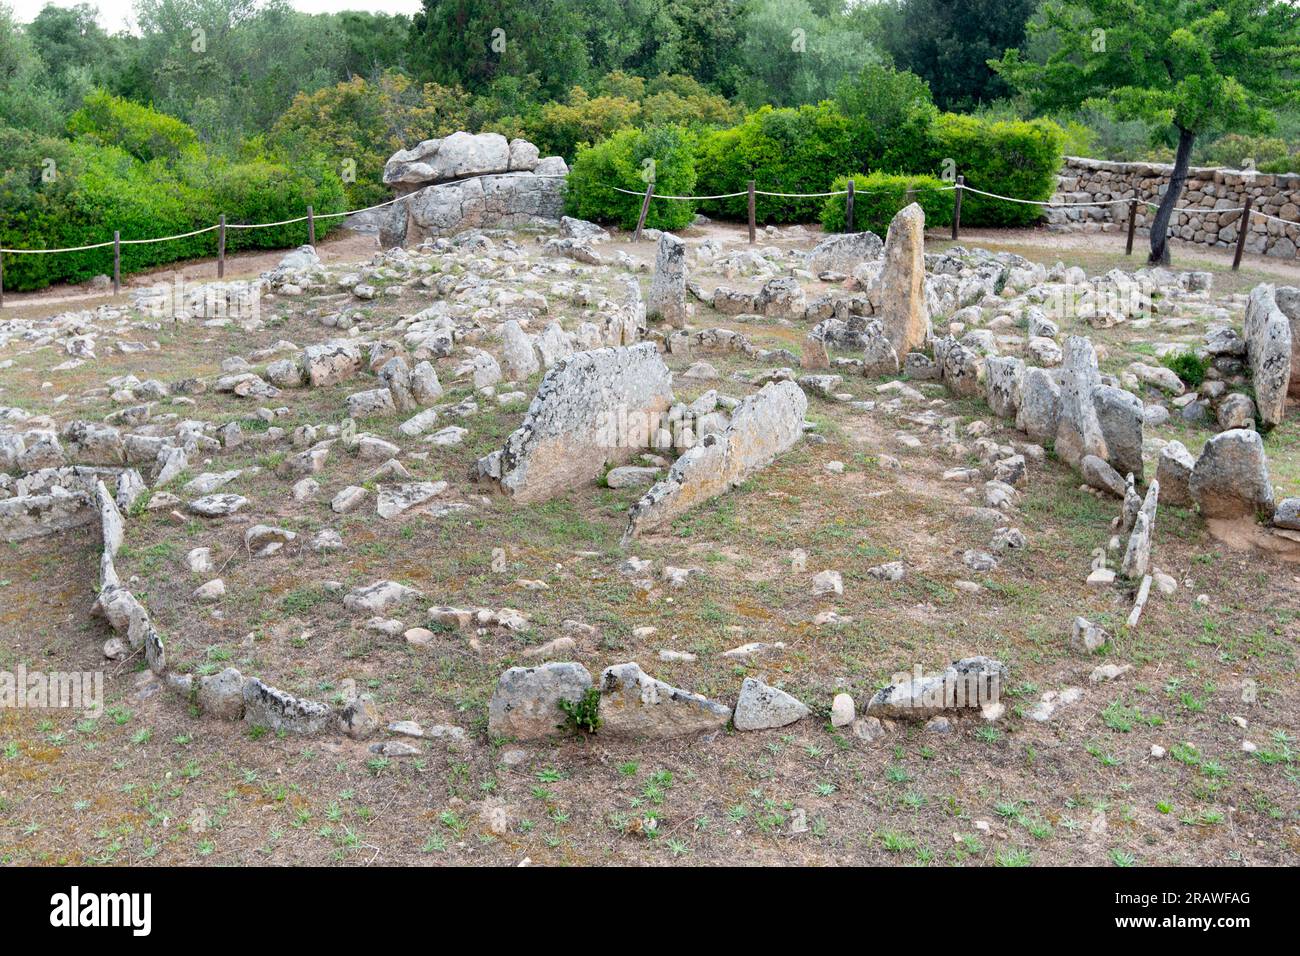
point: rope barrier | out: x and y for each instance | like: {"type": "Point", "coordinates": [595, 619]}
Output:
{"type": "Point", "coordinates": [631, 192]}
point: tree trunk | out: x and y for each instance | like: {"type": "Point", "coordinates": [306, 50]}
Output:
{"type": "Point", "coordinates": [1165, 212]}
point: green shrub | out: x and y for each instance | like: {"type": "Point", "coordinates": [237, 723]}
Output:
{"type": "Point", "coordinates": [144, 133]}
{"type": "Point", "coordinates": [1188, 366]}
{"type": "Point", "coordinates": [784, 151]}
{"type": "Point", "coordinates": [624, 160]}
{"type": "Point", "coordinates": [59, 193]}
{"type": "Point", "coordinates": [582, 716]}
{"type": "Point", "coordinates": [891, 117]}
{"type": "Point", "coordinates": [878, 197]}
{"type": "Point", "coordinates": [1009, 157]}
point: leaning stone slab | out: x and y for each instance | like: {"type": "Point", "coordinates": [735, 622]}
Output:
{"type": "Point", "coordinates": [1003, 377]}
{"type": "Point", "coordinates": [526, 702]}
{"type": "Point", "coordinates": [1268, 349]}
{"type": "Point", "coordinates": [110, 520]}
{"type": "Point", "coordinates": [592, 408]}
{"type": "Point", "coordinates": [270, 707]}
{"type": "Point", "coordinates": [632, 703]}
{"type": "Point", "coordinates": [762, 427]}
{"type": "Point", "coordinates": [1230, 479]}
{"type": "Point", "coordinates": [971, 682]}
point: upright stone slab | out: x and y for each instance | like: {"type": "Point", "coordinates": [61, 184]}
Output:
{"type": "Point", "coordinates": [593, 408]}
{"type": "Point", "coordinates": [1003, 376]}
{"type": "Point", "coordinates": [667, 298]}
{"type": "Point", "coordinates": [1268, 349]}
{"type": "Point", "coordinates": [518, 357]}
{"type": "Point", "coordinates": [1230, 479]}
{"type": "Point", "coordinates": [1040, 405]}
{"type": "Point", "coordinates": [1174, 473]}
{"type": "Point", "coordinates": [762, 427]}
{"type": "Point", "coordinates": [1078, 432]}
{"type": "Point", "coordinates": [903, 309]}
{"type": "Point", "coordinates": [1120, 415]}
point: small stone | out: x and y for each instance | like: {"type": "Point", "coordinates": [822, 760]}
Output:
{"type": "Point", "coordinates": [842, 710]}
{"type": "Point", "coordinates": [827, 582]}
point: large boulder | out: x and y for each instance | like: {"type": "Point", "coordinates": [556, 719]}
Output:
{"type": "Point", "coordinates": [526, 702]}
{"type": "Point", "coordinates": [452, 157]}
{"type": "Point", "coordinates": [1040, 405]}
{"type": "Point", "coordinates": [509, 201]}
{"type": "Point", "coordinates": [592, 408]}
{"type": "Point", "coordinates": [972, 682]}
{"type": "Point", "coordinates": [903, 308]}
{"type": "Point", "coordinates": [844, 253]}
{"type": "Point", "coordinates": [1230, 479]}
{"type": "Point", "coordinates": [762, 427]}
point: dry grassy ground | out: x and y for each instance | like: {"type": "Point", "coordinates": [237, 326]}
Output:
{"type": "Point", "coordinates": [149, 781]}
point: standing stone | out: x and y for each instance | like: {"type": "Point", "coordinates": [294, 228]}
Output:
{"type": "Point", "coordinates": [592, 408]}
{"type": "Point", "coordinates": [518, 357]}
{"type": "Point", "coordinates": [526, 702]}
{"type": "Point", "coordinates": [814, 354]}
{"type": "Point", "coordinates": [1120, 415]}
{"type": "Point", "coordinates": [1230, 479]}
{"type": "Point", "coordinates": [1174, 474]}
{"type": "Point", "coordinates": [903, 308]}
{"type": "Point", "coordinates": [1003, 376]}
{"type": "Point", "coordinates": [1040, 405]}
{"type": "Point", "coordinates": [1078, 432]}
{"type": "Point", "coordinates": [959, 366]}
{"type": "Point", "coordinates": [667, 299]}
{"type": "Point", "coordinates": [761, 707]}
{"type": "Point", "coordinates": [1268, 348]}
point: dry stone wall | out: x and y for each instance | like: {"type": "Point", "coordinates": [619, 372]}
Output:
{"type": "Point", "coordinates": [1211, 194]}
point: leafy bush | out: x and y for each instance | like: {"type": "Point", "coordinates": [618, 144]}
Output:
{"type": "Point", "coordinates": [891, 116]}
{"type": "Point", "coordinates": [1010, 157]}
{"type": "Point", "coordinates": [879, 196]}
{"type": "Point", "coordinates": [582, 715]}
{"type": "Point", "coordinates": [59, 194]}
{"type": "Point", "coordinates": [359, 124]}
{"type": "Point", "coordinates": [563, 127]}
{"type": "Point", "coordinates": [144, 133]}
{"type": "Point", "coordinates": [1269, 153]}
{"type": "Point", "coordinates": [623, 160]}
{"type": "Point", "coordinates": [1188, 366]}
{"type": "Point", "coordinates": [784, 151]}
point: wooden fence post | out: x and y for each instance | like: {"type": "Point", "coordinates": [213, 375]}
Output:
{"type": "Point", "coordinates": [117, 262]}
{"type": "Point", "coordinates": [645, 209]}
{"type": "Point", "coordinates": [848, 207]}
{"type": "Point", "coordinates": [311, 227]}
{"type": "Point", "coordinates": [956, 208]}
{"type": "Point", "coordinates": [753, 228]}
{"type": "Point", "coordinates": [2, 280]}
{"type": "Point", "coordinates": [221, 247]}
{"type": "Point", "coordinates": [1241, 235]}
{"type": "Point", "coordinates": [1132, 225]}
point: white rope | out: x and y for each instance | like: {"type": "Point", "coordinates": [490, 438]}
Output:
{"type": "Point", "coordinates": [272, 225]}
{"type": "Point", "coordinates": [1036, 202]}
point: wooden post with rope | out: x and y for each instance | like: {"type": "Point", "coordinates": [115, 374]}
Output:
{"type": "Point", "coordinates": [645, 209]}
{"type": "Point", "coordinates": [117, 261]}
{"type": "Point", "coordinates": [1132, 225]}
{"type": "Point", "coordinates": [848, 206]}
{"type": "Point", "coordinates": [1241, 235]}
{"type": "Point", "coordinates": [221, 247]}
{"type": "Point", "coordinates": [311, 227]}
{"type": "Point", "coordinates": [956, 208]}
{"type": "Point", "coordinates": [753, 227]}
